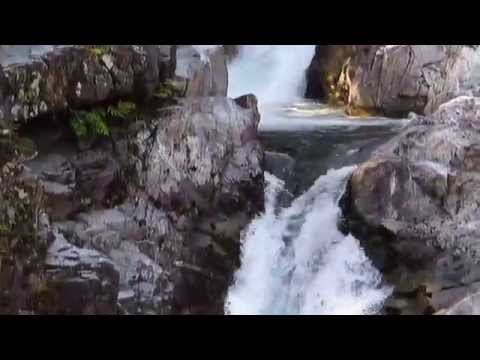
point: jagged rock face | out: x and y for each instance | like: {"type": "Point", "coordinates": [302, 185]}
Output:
{"type": "Point", "coordinates": [391, 80]}
{"type": "Point", "coordinates": [73, 77]}
{"type": "Point", "coordinates": [187, 152]}
{"type": "Point", "coordinates": [149, 220]}
{"type": "Point", "coordinates": [77, 281]}
{"type": "Point", "coordinates": [422, 187]}
{"type": "Point", "coordinates": [194, 179]}
{"type": "Point", "coordinates": [198, 192]}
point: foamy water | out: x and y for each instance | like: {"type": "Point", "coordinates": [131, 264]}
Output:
{"type": "Point", "coordinates": [297, 262]}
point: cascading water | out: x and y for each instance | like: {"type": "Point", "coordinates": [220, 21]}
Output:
{"type": "Point", "coordinates": [274, 73]}
{"type": "Point", "coordinates": [298, 262]}
{"type": "Point", "coordinates": [295, 260]}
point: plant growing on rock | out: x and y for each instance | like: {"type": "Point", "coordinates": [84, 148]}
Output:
{"type": "Point", "coordinates": [93, 124]}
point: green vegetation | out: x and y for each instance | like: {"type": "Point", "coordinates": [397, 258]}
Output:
{"type": "Point", "coordinates": [169, 89]}
{"type": "Point", "coordinates": [94, 123]}
{"type": "Point", "coordinates": [99, 51]}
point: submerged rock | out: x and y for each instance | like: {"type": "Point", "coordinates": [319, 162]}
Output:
{"type": "Point", "coordinates": [279, 164]}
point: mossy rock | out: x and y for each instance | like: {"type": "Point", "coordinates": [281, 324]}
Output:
{"type": "Point", "coordinates": [22, 248]}
{"type": "Point", "coordinates": [14, 147]}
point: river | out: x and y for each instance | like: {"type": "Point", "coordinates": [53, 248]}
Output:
{"type": "Point", "coordinates": [294, 259]}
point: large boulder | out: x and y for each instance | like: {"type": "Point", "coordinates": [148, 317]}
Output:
{"type": "Point", "coordinates": [195, 179]}
{"type": "Point", "coordinates": [422, 190]}
{"type": "Point", "coordinates": [390, 80]}
{"type": "Point", "coordinates": [145, 220]}
{"type": "Point", "coordinates": [36, 82]}
{"type": "Point", "coordinates": [77, 76]}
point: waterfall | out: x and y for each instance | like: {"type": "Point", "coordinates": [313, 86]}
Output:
{"type": "Point", "coordinates": [297, 262]}
{"type": "Point", "coordinates": [274, 73]}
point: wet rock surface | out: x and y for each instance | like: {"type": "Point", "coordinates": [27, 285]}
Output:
{"type": "Point", "coordinates": [279, 164]}
{"type": "Point", "coordinates": [421, 191]}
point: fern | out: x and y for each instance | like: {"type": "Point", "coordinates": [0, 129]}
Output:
{"type": "Point", "coordinates": [95, 123]}
{"type": "Point", "coordinates": [79, 127]}
{"type": "Point", "coordinates": [122, 110]}
{"type": "Point", "coordinates": [90, 124]}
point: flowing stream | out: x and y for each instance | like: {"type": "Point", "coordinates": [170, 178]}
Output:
{"type": "Point", "coordinates": [294, 259]}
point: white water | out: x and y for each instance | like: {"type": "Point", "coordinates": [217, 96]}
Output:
{"type": "Point", "coordinates": [274, 73]}
{"type": "Point", "coordinates": [298, 262]}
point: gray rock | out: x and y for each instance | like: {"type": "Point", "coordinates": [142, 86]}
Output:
{"type": "Point", "coordinates": [423, 188]}
{"type": "Point", "coordinates": [280, 165]}
{"type": "Point", "coordinates": [74, 181]}
{"type": "Point", "coordinates": [76, 76]}
{"type": "Point", "coordinates": [78, 281]}
{"type": "Point", "coordinates": [392, 80]}
{"type": "Point", "coordinates": [470, 305]}
{"type": "Point", "coordinates": [186, 162]}
{"type": "Point", "coordinates": [197, 182]}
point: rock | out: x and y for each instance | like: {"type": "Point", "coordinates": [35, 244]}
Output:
{"type": "Point", "coordinates": [470, 305]}
{"type": "Point", "coordinates": [186, 163]}
{"type": "Point", "coordinates": [206, 70]}
{"type": "Point", "coordinates": [390, 80]}
{"type": "Point", "coordinates": [79, 76]}
{"type": "Point", "coordinates": [23, 238]}
{"type": "Point", "coordinates": [149, 220]}
{"type": "Point", "coordinates": [75, 181]}
{"type": "Point", "coordinates": [422, 188]}
{"type": "Point", "coordinates": [280, 165]}
{"type": "Point", "coordinates": [78, 282]}
{"type": "Point", "coordinates": [195, 181]}
{"type": "Point", "coordinates": [325, 69]}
